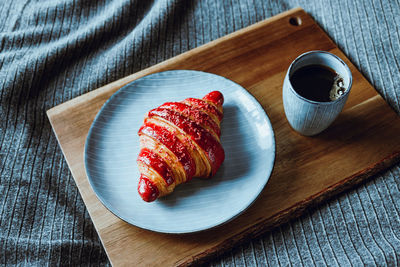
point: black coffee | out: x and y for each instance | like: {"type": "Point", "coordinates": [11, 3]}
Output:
{"type": "Point", "coordinates": [314, 82]}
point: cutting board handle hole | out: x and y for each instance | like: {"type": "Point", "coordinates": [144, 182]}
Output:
{"type": "Point", "coordinates": [295, 21]}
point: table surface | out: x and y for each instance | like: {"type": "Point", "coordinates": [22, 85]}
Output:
{"type": "Point", "coordinates": [53, 52]}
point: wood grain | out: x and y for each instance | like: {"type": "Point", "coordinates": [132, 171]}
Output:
{"type": "Point", "coordinates": [361, 142]}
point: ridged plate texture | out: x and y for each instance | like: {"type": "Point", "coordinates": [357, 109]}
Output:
{"type": "Point", "coordinates": [112, 146]}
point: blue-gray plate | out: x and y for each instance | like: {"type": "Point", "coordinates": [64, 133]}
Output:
{"type": "Point", "coordinates": [112, 146]}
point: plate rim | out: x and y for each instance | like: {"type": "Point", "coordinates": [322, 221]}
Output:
{"type": "Point", "coordinates": [200, 229]}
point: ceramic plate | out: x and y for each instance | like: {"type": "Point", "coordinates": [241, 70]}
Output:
{"type": "Point", "coordinates": [112, 146]}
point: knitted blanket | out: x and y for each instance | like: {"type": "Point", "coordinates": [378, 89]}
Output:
{"type": "Point", "coordinates": [53, 51]}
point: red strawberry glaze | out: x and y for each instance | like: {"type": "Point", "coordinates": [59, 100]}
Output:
{"type": "Point", "coordinates": [169, 140]}
{"type": "Point", "coordinates": [199, 116]}
{"type": "Point", "coordinates": [153, 160]}
{"type": "Point", "coordinates": [203, 105]}
{"type": "Point", "coordinates": [215, 97]}
{"type": "Point", "coordinates": [147, 189]}
{"type": "Point", "coordinates": [202, 137]}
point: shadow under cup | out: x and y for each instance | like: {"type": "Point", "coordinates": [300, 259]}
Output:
{"type": "Point", "coordinates": [310, 117]}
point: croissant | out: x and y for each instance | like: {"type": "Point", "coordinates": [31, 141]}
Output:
{"type": "Point", "coordinates": [179, 141]}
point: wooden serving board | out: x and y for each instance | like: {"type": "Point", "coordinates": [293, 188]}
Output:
{"type": "Point", "coordinates": [362, 141]}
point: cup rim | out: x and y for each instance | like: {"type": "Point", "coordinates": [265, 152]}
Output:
{"type": "Point", "coordinates": [330, 54]}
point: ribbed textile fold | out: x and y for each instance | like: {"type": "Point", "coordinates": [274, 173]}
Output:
{"type": "Point", "coordinates": [53, 51]}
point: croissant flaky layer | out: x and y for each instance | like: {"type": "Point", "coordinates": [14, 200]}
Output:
{"type": "Point", "coordinates": [179, 141]}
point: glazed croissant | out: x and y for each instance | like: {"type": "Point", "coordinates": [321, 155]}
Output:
{"type": "Point", "coordinates": [179, 141]}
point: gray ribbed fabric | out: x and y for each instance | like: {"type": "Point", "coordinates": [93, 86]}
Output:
{"type": "Point", "coordinates": [53, 51]}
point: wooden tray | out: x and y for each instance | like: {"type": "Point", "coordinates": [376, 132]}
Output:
{"type": "Point", "coordinates": [363, 140]}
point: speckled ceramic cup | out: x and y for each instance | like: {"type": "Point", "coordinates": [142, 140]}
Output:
{"type": "Point", "coordinates": [310, 117]}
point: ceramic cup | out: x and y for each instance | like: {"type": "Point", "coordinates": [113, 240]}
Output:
{"type": "Point", "coordinates": [310, 117]}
